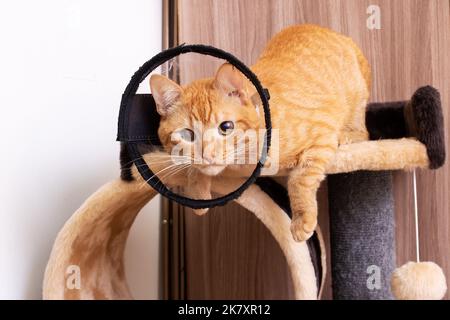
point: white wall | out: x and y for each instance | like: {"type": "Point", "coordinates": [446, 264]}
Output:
{"type": "Point", "coordinates": [63, 67]}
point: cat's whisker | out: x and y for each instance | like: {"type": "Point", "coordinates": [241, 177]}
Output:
{"type": "Point", "coordinates": [159, 172]}
{"type": "Point", "coordinates": [152, 163]}
{"type": "Point", "coordinates": [174, 172]}
{"type": "Point", "coordinates": [161, 162]}
{"type": "Point", "coordinates": [167, 156]}
{"type": "Point", "coordinates": [168, 171]}
{"type": "Point", "coordinates": [170, 157]}
{"type": "Point", "coordinates": [123, 166]}
{"type": "Point", "coordinates": [168, 161]}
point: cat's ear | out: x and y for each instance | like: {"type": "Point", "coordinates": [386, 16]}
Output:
{"type": "Point", "coordinates": [230, 81]}
{"type": "Point", "coordinates": [165, 92]}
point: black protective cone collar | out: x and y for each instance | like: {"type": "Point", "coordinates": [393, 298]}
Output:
{"type": "Point", "coordinates": [139, 122]}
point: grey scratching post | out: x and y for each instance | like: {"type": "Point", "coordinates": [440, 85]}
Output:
{"type": "Point", "coordinates": [361, 204]}
{"type": "Point", "coordinates": [362, 230]}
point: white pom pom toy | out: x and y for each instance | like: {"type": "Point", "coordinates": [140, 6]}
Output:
{"type": "Point", "coordinates": [418, 280]}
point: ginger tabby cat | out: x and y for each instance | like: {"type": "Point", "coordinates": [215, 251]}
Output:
{"type": "Point", "coordinates": [319, 86]}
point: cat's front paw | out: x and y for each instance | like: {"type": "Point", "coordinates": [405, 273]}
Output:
{"type": "Point", "coordinates": [201, 212]}
{"type": "Point", "coordinates": [302, 229]}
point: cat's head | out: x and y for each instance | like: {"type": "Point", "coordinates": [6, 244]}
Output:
{"type": "Point", "coordinates": [206, 117]}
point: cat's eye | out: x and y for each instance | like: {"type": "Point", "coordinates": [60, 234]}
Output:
{"type": "Point", "coordinates": [186, 134]}
{"type": "Point", "coordinates": [226, 127]}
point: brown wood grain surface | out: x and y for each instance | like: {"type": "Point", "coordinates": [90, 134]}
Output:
{"type": "Point", "coordinates": [229, 253]}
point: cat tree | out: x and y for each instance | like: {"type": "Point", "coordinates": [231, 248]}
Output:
{"type": "Point", "coordinates": [94, 237]}
{"type": "Point", "coordinates": [405, 135]}
{"type": "Point", "coordinates": [361, 204]}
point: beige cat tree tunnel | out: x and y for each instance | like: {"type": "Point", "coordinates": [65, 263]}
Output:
{"type": "Point", "coordinates": [94, 238]}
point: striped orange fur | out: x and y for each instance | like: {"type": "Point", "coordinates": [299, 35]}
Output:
{"type": "Point", "coordinates": [319, 86]}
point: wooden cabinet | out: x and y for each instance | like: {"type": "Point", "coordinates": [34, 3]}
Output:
{"type": "Point", "coordinates": [228, 253]}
